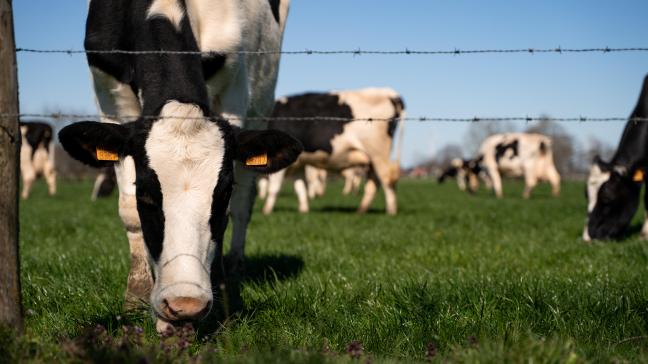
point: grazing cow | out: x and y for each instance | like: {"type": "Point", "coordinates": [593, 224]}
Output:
{"type": "Point", "coordinates": [341, 144]}
{"type": "Point", "coordinates": [175, 163]}
{"type": "Point", "coordinates": [105, 184]}
{"type": "Point", "coordinates": [613, 188]}
{"type": "Point", "coordinates": [37, 156]}
{"type": "Point", "coordinates": [465, 172]}
{"type": "Point", "coordinates": [517, 155]}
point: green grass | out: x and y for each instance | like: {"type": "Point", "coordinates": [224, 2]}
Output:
{"type": "Point", "coordinates": [482, 279]}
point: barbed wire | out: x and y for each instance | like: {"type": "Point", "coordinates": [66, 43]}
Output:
{"type": "Point", "coordinates": [355, 52]}
{"type": "Point", "coordinates": [475, 119]}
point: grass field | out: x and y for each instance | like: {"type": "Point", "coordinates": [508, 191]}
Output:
{"type": "Point", "coordinates": [452, 278]}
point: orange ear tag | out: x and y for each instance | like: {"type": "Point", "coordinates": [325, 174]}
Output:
{"type": "Point", "coordinates": [257, 160]}
{"type": "Point", "coordinates": [106, 155]}
{"type": "Point", "coordinates": [638, 175]}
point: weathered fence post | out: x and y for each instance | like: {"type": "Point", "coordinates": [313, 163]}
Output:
{"type": "Point", "coordinates": [10, 306]}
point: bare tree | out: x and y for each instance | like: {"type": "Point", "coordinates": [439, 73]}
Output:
{"type": "Point", "coordinates": [449, 152]}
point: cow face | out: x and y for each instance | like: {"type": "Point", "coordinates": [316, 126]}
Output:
{"type": "Point", "coordinates": [612, 200]}
{"type": "Point", "coordinates": [179, 173]}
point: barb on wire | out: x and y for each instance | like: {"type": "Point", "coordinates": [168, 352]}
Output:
{"type": "Point", "coordinates": [475, 119]}
{"type": "Point", "coordinates": [354, 52]}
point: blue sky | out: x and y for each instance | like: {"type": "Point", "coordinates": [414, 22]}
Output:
{"type": "Point", "coordinates": [441, 86]}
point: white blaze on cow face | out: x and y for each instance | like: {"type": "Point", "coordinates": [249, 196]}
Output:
{"type": "Point", "coordinates": [187, 156]}
{"type": "Point", "coordinates": [596, 179]}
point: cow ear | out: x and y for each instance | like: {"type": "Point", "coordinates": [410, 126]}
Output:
{"type": "Point", "coordinates": [95, 144]}
{"type": "Point", "coordinates": [266, 151]}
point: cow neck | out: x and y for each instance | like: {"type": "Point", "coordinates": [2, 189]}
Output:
{"type": "Point", "coordinates": [165, 77]}
{"type": "Point", "coordinates": [632, 152]}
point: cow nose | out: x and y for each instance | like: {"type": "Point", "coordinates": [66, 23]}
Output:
{"type": "Point", "coordinates": [185, 308]}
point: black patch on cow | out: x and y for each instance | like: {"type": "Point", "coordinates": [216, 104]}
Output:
{"type": "Point", "coordinates": [399, 106]}
{"type": "Point", "coordinates": [212, 64]}
{"type": "Point", "coordinates": [314, 135]}
{"type": "Point", "coordinates": [274, 6]}
{"type": "Point", "coordinates": [543, 148]}
{"type": "Point", "coordinates": [501, 149]}
{"type": "Point", "coordinates": [449, 172]}
{"type": "Point", "coordinates": [38, 134]}
{"type": "Point", "coordinates": [123, 24]}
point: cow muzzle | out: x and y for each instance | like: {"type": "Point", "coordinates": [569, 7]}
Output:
{"type": "Point", "coordinates": [185, 308]}
{"type": "Point", "coordinates": [182, 290]}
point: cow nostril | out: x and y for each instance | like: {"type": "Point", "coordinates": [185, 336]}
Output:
{"type": "Point", "coordinates": [186, 307]}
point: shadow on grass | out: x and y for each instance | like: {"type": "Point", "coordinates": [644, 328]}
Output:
{"type": "Point", "coordinates": [259, 269]}
{"type": "Point", "coordinates": [346, 210]}
{"type": "Point", "coordinates": [270, 268]}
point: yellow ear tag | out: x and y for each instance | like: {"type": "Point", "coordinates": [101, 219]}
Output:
{"type": "Point", "coordinates": [257, 160]}
{"type": "Point", "coordinates": [106, 155]}
{"type": "Point", "coordinates": [638, 176]}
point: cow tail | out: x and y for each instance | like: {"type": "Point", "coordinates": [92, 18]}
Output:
{"type": "Point", "coordinates": [399, 105]}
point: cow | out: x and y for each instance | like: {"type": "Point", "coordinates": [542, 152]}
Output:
{"type": "Point", "coordinates": [613, 188]}
{"type": "Point", "coordinates": [37, 156]}
{"type": "Point", "coordinates": [342, 142]}
{"type": "Point", "coordinates": [527, 155]}
{"type": "Point", "coordinates": [465, 171]}
{"type": "Point", "coordinates": [173, 125]}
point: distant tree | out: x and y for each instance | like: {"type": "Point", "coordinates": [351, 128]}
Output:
{"type": "Point", "coordinates": [481, 130]}
{"type": "Point", "coordinates": [595, 147]}
{"type": "Point", "coordinates": [448, 153]}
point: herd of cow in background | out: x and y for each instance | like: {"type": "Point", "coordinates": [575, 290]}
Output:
{"type": "Point", "coordinates": [187, 144]}
{"type": "Point", "coordinates": [357, 150]}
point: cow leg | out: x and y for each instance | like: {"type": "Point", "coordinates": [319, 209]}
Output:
{"type": "Point", "coordinates": [50, 177]}
{"type": "Point", "coordinates": [554, 179]}
{"type": "Point", "coordinates": [140, 279]}
{"type": "Point", "coordinates": [312, 179]}
{"type": "Point", "coordinates": [388, 179]}
{"type": "Point", "coordinates": [644, 229]}
{"type": "Point", "coordinates": [530, 181]}
{"type": "Point", "coordinates": [28, 177]}
{"type": "Point", "coordinates": [241, 205]}
{"type": "Point", "coordinates": [348, 181]}
{"type": "Point", "coordinates": [302, 195]}
{"type": "Point", "coordinates": [496, 181]}
{"type": "Point", "coordinates": [274, 186]}
{"type": "Point", "coordinates": [262, 188]}
{"type": "Point", "coordinates": [101, 177]}
{"type": "Point", "coordinates": [369, 192]}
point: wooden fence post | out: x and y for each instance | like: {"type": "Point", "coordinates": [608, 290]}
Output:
{"type": "Point", "coordinates": [10, 305]}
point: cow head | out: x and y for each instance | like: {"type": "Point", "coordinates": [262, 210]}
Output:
{"type": "Point", "coordinates": [612, 200]}
{"type": "Point", "coordinates": [179, 174]}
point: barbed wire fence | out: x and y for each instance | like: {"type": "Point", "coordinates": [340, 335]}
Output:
{"type": "Point", "coordinates": [353, 52]}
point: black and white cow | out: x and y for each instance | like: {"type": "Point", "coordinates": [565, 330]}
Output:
{"type": "Point", "coordinates": [338, 145]}
{"type": "Point", "coordinates": [525, 155]}
{"type": "Point", "coordinates": [176, 170]}
{"type": "Point", "coordinates": [613, 187]}
{"type": "Point", "coordinates": [36, 156]}
{"type": "Point", "coordinates": [465, 172]}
